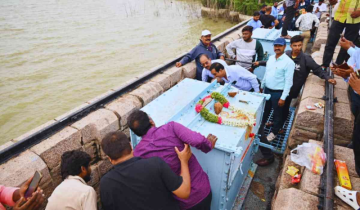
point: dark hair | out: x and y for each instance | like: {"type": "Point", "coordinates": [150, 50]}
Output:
{"type": "Point", "coordinates": [296, 38]}
{"type": "Point", "coordinates": [248, 28]}
{"type": "Point", "coordinates": [199, 58]}
{"type": "Point", "coordinates": [264, 5]}
{"type": "Point", "coordinates": [256, 13]}
{"type": "Point", "coordinates": [139, 122]}
{"type": "Point", "coordinates": [116, 144]}
{"type": "Point", "coordinates": [309, 8]}
{"type": "Point", "coordinates": [216, 66]}
{"type": "Point", "coordinates": [71, 162]}
{"type": "Point", "coordinates": [268, 9]}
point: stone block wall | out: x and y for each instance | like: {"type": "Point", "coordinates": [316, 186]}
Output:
{"type": "Point", "coordinates": [308, 126]}
{"type": "Point", "coordinates": [86, 134]}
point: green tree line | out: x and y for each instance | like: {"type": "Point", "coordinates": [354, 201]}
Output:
{"type": "Point", "coordinates": [246, 7]}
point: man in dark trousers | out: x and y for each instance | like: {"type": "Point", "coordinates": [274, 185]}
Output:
{"type": "Point", "coordinates": [347, 17]}
{"type": "Point", "coordinates": [304, 63]}
{"type": "Point", "coordinates": [291, 6]}
{"type": "Point", "coordinates": [204, 47]}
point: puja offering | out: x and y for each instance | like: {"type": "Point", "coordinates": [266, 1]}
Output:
{"type": "Point", "coordinates": [232, 94]}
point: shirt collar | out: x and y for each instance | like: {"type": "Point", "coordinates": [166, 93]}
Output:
{"type": "Point", "coordinates": [76, 178]}
{"type": "Point", "coordinates": [281, 57]}
{"type": "Point", "coordinates": [127, 162]}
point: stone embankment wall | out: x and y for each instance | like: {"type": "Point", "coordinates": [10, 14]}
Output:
{"type": "Point", "coordinates": [308, 126]}
{"type": "Point", "coordinates": [86, 134]}
{"type": "Point", "coordinates": [223, 13]}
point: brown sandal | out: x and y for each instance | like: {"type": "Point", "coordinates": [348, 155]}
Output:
{"type": "Point", "coordinates": [286, 37]}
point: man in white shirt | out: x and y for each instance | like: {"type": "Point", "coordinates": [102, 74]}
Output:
{"type": "Point", "coordinates": [237, 76]}
{"type": "Point", "coordinates": [319, 8]}
{"type": "Point", "coordinates": [73, 193]}
{"type": "Point", "coordinates": [305, 24]}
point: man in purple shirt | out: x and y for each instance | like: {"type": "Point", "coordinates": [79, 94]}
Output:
{"type": "Point", "coordinates": [160, 142]}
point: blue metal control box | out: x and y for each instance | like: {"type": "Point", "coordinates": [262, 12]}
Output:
{"type": "Point", "coordinates": [228, 164]}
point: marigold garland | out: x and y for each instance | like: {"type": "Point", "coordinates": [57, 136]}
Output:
{"type": "Point", "coordinates": [208, 116]}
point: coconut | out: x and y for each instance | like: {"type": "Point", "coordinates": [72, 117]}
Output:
{"type": "Point", "coordinates": [232, 94]}
{"type": "Point", "coordinates": [218, 107]}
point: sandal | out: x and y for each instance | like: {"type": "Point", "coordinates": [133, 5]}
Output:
{"type": "Point", "coordinates": [347, 196]}
{"type": "Point", "coordinates": [281, 131]}
{"type": "Point", "coordinates": [269, 124]}
{"type": "Point", "coordinates": [286, 37]}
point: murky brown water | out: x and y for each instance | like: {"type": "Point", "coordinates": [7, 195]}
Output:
{"type": "Point", "coordinates": [55, 55]}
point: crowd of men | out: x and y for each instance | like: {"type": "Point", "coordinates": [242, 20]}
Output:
{"type": "Point", "coordinates": [162, 173]}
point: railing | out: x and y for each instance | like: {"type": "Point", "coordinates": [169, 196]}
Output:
{"type": "Point", "coordinates": [35, 138]}
{"type": "Point", "coordinates": [326, 194]}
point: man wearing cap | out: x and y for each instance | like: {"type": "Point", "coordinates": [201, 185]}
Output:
{"type": "Point", "coordinates": [277, 81]}
{"type": "Point", "coordinates": [204, 47]}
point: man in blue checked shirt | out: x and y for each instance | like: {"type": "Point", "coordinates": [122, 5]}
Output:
{"type": "Point", "coordinates": [277, 82]}
{"type": "Point", "coordinates": [204, 47]}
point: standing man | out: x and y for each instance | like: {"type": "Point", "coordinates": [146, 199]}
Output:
{"type": "Point", "coordinates": [304, 63]}
{"type": "Point", "coordinates": [204, 47]}
{"type": "Point", "coordinates": [274, 10]}
{"type": "Point", "coordinates": [347, 17]}
{"type": "Point", "coordinates": [236, 75]}
{"type": "Point", "coordinates": [262, 9]}
{"type": "Point", "coordinates": [305, 24]}
{"type": "Point", "coordinates": [268, 20]}
{"type": "Point", "coordinates": [246, 49]}
{"type": "Point", "coordinates": [73, 193]}
{"type": "Point", "coordinates": [277, 81]}
{"type": "Point", "coordinates": [136, 183]}
{"type": "Point", "coordinates": [160, 142]}
{"type": "Point", "coordinates": [255, 22]}
{"type": "Point", "coordinates": [291, 6]}
{"type": "Point", "coordinates": [321, 6]}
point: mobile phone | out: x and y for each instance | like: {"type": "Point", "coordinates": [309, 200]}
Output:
{"type": "Point", "coordinates": [33, 185]}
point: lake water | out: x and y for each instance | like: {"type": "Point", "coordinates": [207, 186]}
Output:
{"type": "Point", "coordinates": [58, 54]}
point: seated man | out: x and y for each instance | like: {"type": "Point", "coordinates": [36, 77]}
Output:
{"type": "Point", "coordinates": [160, 142]}
{"type": "Point", "coordinates": [206, 63]}
{"type": "Point", "coordinates": [255, 22]}
{"type": "Point", "coordinates": [246, 49]}
{"type": "Point", "coordinates": [136, 184]}
{"type": "Point", "coordinates": [236, 75]}
{"type": "Point", "coordinates": [73, 192]}
{"type": "Point", "coordinates": [267, 20]}
{"type": "Point", "coordinates": [204, 47]}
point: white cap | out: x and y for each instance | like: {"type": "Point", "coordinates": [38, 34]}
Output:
{"type": "Point", "coordinates": [205, 33]}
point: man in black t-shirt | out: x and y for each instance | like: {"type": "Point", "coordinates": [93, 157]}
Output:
{"type": "Point", "coordinates": [141, 184]}
{"type": "Point", "coordinates": [268, 19]}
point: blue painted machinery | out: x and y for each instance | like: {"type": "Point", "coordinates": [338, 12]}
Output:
{"type": "Point", "coordinates": [229, 164]}
{"type": "Point", "coordinates": [267, 38]}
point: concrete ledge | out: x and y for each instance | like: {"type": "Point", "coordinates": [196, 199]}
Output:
{"type": "Point", "coordinates": [97, 124]}
{"type": "Point", "coordinates": [162, 79]}
{"type": "Point", "coordinates": [313, 90]}
{"type": "Point", "coordinates": [19, 169]}
{"type": "Point", "coordinates": [123, 107]}
{"type": "Point", "coordinates": [190, 70]}
{"type": "Point", "coordinates": [147, 92]}
{"type": "Point", "coordinates": [291, 199]}
{"type": "Point", "coordinates": [310, 120]}
{"type": "Point", "coordinates": [343, 122]}
{"type": "Point", "coordinates": [109, 92]}
{"type": "Point", "coordinates": [176, 75]}
{"type": "Point", "coordinates": [285, 179]}
{"type": "Point", "coordinates": [51, 149]}
{"type": "Point", "coordinates": [71, 111]}
{"type": "Point", "coordinates": [298, 136]}
{"type": "Point", "coordinates": [104, 166]}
